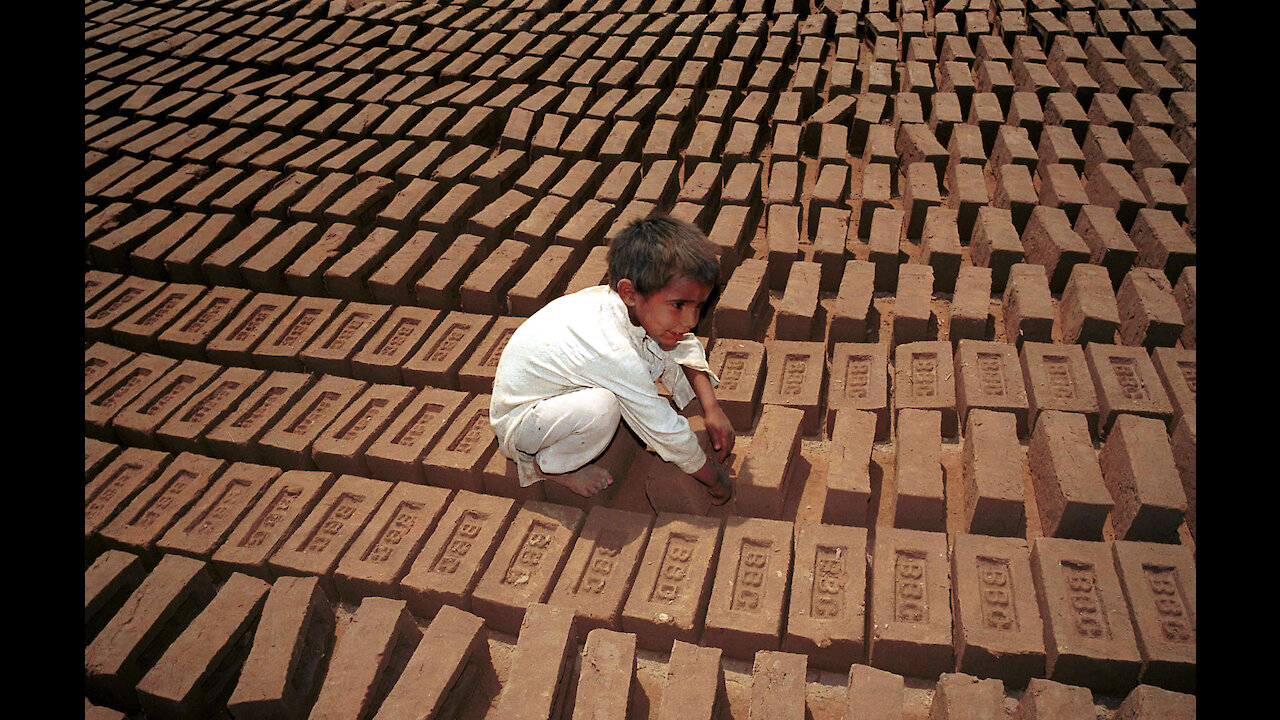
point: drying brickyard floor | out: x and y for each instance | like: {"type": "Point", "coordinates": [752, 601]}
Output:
{"type": "Point", "coordinates": [955, 331]}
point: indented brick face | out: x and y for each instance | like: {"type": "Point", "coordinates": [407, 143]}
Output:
{"type": "Point", "coordinates": [1159, 582]}
{"type": "Point", "coordinates": [288, 441]}
{"type": "Point", "coordinates": [109, 397]}
{"type": "Point", "coordinates": [924, 378]}
{"type": "Point", "coordinates": [910, 624]}
{"type": "Point", "coordinates": [739, 365]}
{"type": "Point", "coordinates": [458, 457]}
{"type": "Point", "coordinates": [276, 514]}
{"type": "Point", "coordinates": [326, 531]}
{"type": "Point", "coordinates": [437, 361]}
{"type": "Point", "coordinates": [1126, 382]}
{"type": "Point", "coordinates": [380, 358]}
{"type": "Point", "coordinates": [476, 374]}
{"type": "Point", "coordinates": [458, 549]}
{"type": "Point", "coordinates": [746, 611]}
{"type": "Point", "coordinates": [526, 564]}
{"type": "Point", "coordinates": [667, 600]}
{"type": "Point", "coordinates": [858, 380]}
{"type": "Point", "coordinates": [1089, 639]}
{"type": "Point", "coordinates": [115, 486]}
{"type": "Point", "coordinates": [380, 555]}
{"type": "Point", "coordinates": [140, 525]}
{"type": "Point", "coordinates": [828, 587]}
{"type": "Point", "coordinates": [1057, 378]}
{"type": "Point", "coordinates": [186, 428]}
{"type": "Point", "coordinates": [202, 529]}
{"type": "Point", "coordinates": [340, 446]}
{"type": "Point", "coordinates": [597, 576]}
{"type": "Point", "coordinates": [331, 350]}
{"type": "Point", "coordinates": [794, 379]}
{"type": "Point", "coordinates": [988, 376]}
{"type": "Point", "coordinates": [137, 422]}
{"type": "Point", "coordinates": [998, 630]}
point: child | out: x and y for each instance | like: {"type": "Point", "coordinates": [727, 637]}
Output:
{"type": "Point", "coordinates": [584, 361]}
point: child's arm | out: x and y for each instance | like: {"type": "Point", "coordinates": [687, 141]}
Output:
{"type": "Point", "coordinates": [719, 428]}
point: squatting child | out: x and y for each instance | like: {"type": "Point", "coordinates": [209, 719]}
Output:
{"type": "Point", "coordinates": [584, 361]}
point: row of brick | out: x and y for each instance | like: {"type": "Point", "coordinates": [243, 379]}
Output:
{"type": "Point", "coordinates": [1113, 614]}
{"type": "Point", "coordinates": [458, 349]}
{"type": "Point", "coordinates": [441, 437]}
{"type": "Point", "coordinates": [266, 625]}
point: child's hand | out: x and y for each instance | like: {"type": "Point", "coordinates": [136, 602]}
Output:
{"type": "Point", "coordinates": [721, 432]}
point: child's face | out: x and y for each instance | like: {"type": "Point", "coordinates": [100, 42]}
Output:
{"type": "Point", "coordinates": [668, 313]}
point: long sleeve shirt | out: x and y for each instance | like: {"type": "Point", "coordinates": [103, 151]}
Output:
{"type": "Point", "coordinates": [587, 340]}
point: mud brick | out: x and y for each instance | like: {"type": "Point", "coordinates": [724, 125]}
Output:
{"type": "Point", "coordinates": [873, 694]}
{"type": "Point", "coordinates": [910, 616]}
{"type": "Point", "coordinates": [196, 673]}
{"type": "Point", "coordinates": [115, 487]}
{"type": "Point", "coordinates": [233, 343]}
{"type": "Point", "coordinates": [396, 453]}
{"type": "Point", "coordinates": [457, 460]}
{"type": "Point", "coordinates": [1138, 467]}
{"type": "Point", "coordinates": [993, 488]}
{"type": "Point", "coordinates": [458, 549]}
{"type": "Point", "coordinates": [374, 646]}
{"type": "Point", "coordinates": [236, 436]}
{"type": "Point", "coordinates": [778, 686]}
{"type": "Point", "coordinates": [542, 174]}
{"type": "Point", "coordinates": [138, 421]}
{"type": "Point", "coordinates": [916, 143]}
{"type": "Point", "coordinates": [485, 288]}
{"type": "Point", "coordinates": [108, 583]}
{"type": "Point", "coordinates": [994, 77]}
{"type": "Point", "coordinates": [919, 194]}
{"type": "Point", "coordinates": [186, 428]}
{"type": "Point", "coordinates": [1088, 308]}
{"type": "Point", "coordinates": [1027, 305]}
{"type": "Point", "coordinates": [139, 329]}
{"type": "Point", "coordinates": [1107, 110]}
{"type": "Point", "coordinates": [944, 116]}
{"type": "Point", "coordinates": [744, 294]}
{"type": "Point", "coordinates": [155, 507]}
{"type": "Point", "coordinates": [885, 249]}
{"type": "Point", "coordinates": [732, 224]}
{"type": "Point", "coordinates": [1149, 314]}
{"type": "Point", "coordinates": [1149, 109]}
{"type": "Point", "coordinates": [1151, 147]}
{"type": "Point", "coordinates": [113, 394]}
{"type": "Point", "coordinates": [668, 597]}
{"type": "Point", "coordinates": [331, 351]}
{"type": "Point", "coordinates": [746, 609]}
{"type": "Point", "coordinates": [1048, 699]}
{"type": "Point", "coordinates": [959, 695]}
{"type": "Point", "coordinates": [305, 319]}
{"type": "Point", "coordinates": [940, 248]}
{"type": "Point", "coordinates": [782, 235]}
{"type": "Point", "coordinates": [848, 469]}
{"type": "Point", "coordinates": [763, 478]}
{"type": "Point", "coordinates": [477, 373]}
{"type": "Point", "coordinates": [97, 282]}
{"type": "Point", "coordinates": [1065, 475]}
{"type": "Point", "coordinates": [161, 607]}
{"type": "Point", "coordinates": [825, 617]}
{"type": "Point", "coordinates": [1089, 639]}
{"type": "Point", "coordinates": [592, 271]}
{"type": "Point", "coordinates": [542, 658]}
{"type": "Point", "coordinates": [1109, 243]}
{"type": "Point", "coordinates": [405, 208]}
{"type": "Point", "coordinates": [620, 184]}
{"type": "Point", "coordinates": [794, 379]}
{"type": "Point", "coordinates": [1161, 242]}
{"type": "Point", "coordinates": [1056, 378]}
{"type": "Point", "coordinates": [693, 679]}
{"type": "Point", "coordinates": [440, 286]}
{"type": "Point", "coordinates": [597, 577]}
{"type": "Point", "coordinates": [988, 376]}
{"type": "Point", "coordinates": [288, 442]}
{"type": "Point", "coordinates": [526, 564]}
{"type": "Point", "coordinates": [1104, 146]}
{"type": "Point", "coordinates": [437, 361]}
{"type": "Point", "coordinates": [739, 364]}
{"type": "Point", "coordinates": [852, 303]}
{"type": "Point", "coordinates": [1149, 701]}
{"type": "Point", "coordinates": [96, 456]}
{"type": "Point", "coordinates": [381, 555]}
{"type": "Point", "coordinates": [967, 195]}
{"type": "Point", "coordinates": [1015, 191]}
{"type": "Point", "coordinates": [1050, 241]}
{"type": "Point", "coordinates": [999, 627]}
{"type": "Point", "coordinates": [124, 298]}
{"type": "Point", "coordinates": [341, 446]}
{"type": "Point", "coordinates": [924, 378]}
{"type": "Point", "coordinates": [800, 302]}
{"type": "Point", "coordinates": [1158, 581]}
{"type": "Point", "coordinates": [541, 282]}
{"type": "Point", "coordinates": [920, 502]}
{"type": "Point", "coordinates": [442, 668]}
{"type": "Point", "coordinates": [1025, 117]}
{"type": "Point", "coordinates": [971, 304]}
{"type": "Point", "coordinates": [1163, 193]}
{"type": "Point", "coordinates": [1060, 188]}
{"type": "Point", "coordinates": [877, 191]}
{"type": "Point", "coordinates": [281, 673]}
{"type": "Point", "coordinates": [1064, 110]}
{"type": "Point", "coordinates": [911, 309]}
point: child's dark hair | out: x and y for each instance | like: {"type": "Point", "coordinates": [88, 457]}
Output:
{"type": "Point", "coordinates": [654, 251]}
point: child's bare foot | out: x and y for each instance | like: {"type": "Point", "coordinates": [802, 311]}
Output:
{"type": "Point", "coordinates": [586, 481]}
{"type": "Point", "coordinates": [722, 491]}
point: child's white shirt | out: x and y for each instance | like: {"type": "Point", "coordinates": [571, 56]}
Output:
{"type": "Point", "coordinates": [587, 340]}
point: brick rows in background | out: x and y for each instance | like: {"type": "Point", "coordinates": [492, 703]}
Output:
{"type": "Point", "coordinates": [171, 631]}
{"type": "Point", "coordinates": [1150, 164]}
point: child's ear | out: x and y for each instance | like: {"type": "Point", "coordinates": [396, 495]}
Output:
{"type": "Point", "coordinates": [627, 291]}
